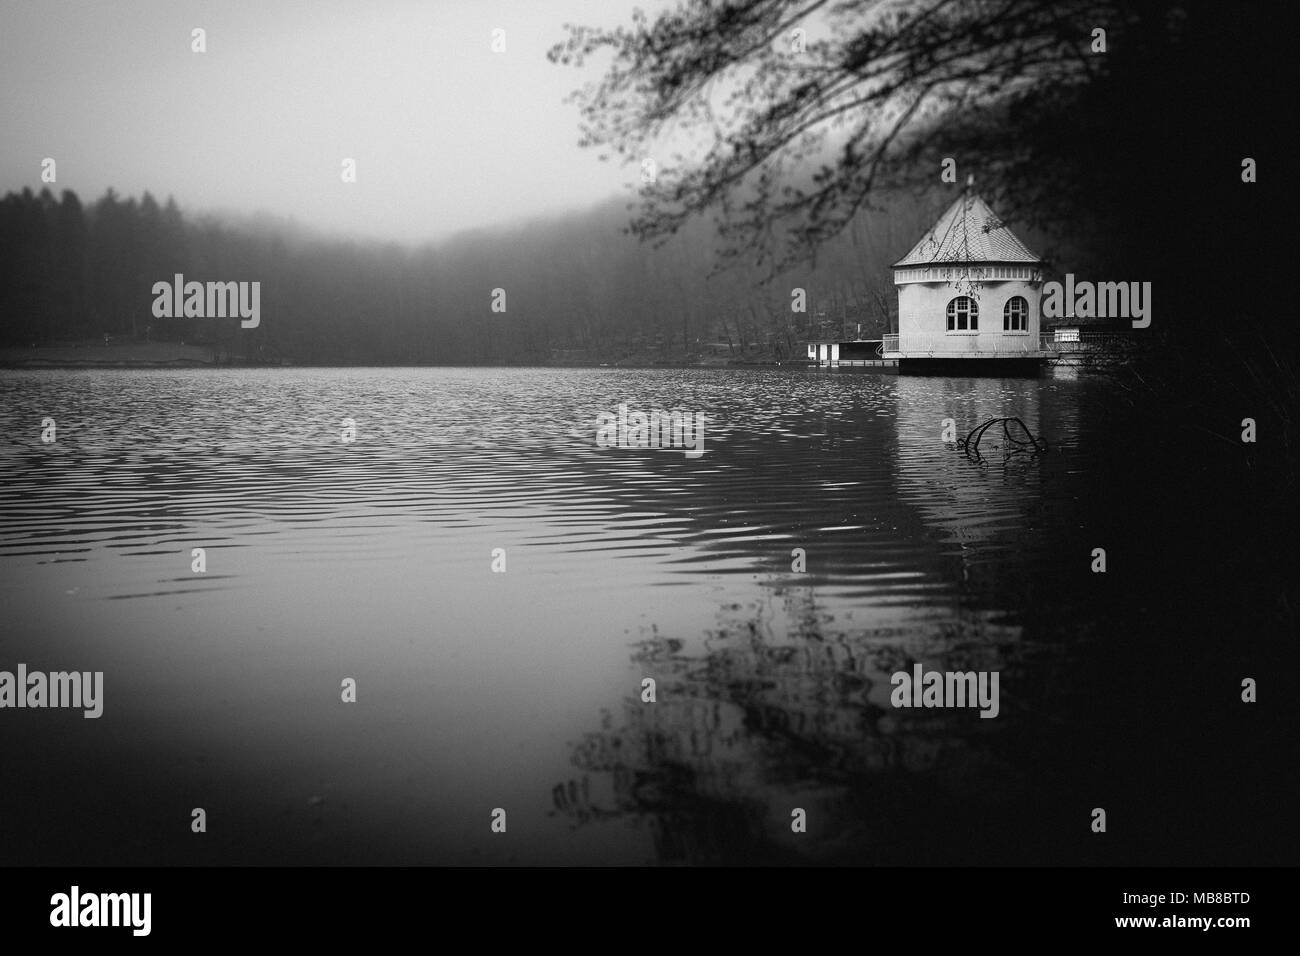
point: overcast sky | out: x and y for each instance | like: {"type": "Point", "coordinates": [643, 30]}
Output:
{"type": "Point", "coordinates": [446, 134]}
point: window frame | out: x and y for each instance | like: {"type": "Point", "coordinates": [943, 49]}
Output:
{"type": "Point", "coordinates": [971, 316]}
{"type": "Point", "coordinates": [1023, 316]}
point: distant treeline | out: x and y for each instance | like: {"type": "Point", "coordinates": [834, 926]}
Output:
{"type": "Point", "coordinates": [574, 286]}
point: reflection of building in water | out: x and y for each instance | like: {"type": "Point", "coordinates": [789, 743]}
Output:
{"type": "Point", "coordinates": [1007, 525]}
{"type": "Point", "coordinates": [965, 501]}
{"type": "Point", "coordinates": [995, 519]}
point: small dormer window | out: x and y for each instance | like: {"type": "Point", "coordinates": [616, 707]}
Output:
{"type": "Point", "coordinates": [963, 315]}
{"type": "Point", "coordinates": [1015, 314]}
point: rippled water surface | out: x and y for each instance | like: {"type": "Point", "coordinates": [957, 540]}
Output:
{"type": "Point", "coordinates": [521, 690]}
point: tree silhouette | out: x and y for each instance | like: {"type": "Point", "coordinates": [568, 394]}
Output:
{"type": "Point", "coordinates": [784, 140]}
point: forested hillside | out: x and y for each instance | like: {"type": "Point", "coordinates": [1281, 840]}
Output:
{"type": "Point", "coordinates": [575, 287]}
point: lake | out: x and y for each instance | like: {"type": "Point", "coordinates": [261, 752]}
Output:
{"type": "Point", "coordinates": [498, 586]}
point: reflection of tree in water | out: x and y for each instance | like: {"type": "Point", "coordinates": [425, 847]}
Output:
{"type": "Point", "coordinates": [748, 726]}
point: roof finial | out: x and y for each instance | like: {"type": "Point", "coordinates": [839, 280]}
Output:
{"type": "Point", "coordinates": [970, 182]}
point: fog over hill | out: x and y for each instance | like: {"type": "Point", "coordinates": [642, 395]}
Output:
{"type": "Point", "coordinates": [575, 287]}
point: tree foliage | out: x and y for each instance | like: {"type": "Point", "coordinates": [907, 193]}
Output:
{"type": "Point", "coordinates": [784, 146]}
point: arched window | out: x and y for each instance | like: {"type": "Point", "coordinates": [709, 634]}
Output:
{"type": "Point", "coordinates": [963, 315]}
{"type": "Point", "coordinates": [1015, 314]}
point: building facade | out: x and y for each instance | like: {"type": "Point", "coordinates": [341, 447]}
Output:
{"type": "Point", "coordinates": [968, 292]}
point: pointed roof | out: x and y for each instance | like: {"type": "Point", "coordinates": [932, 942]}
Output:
{"type": "Point", "coordinates": [968, 232]}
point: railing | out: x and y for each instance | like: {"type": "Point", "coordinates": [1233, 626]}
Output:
{"type": "Point", "coordinates": [1085, 341]}
{"type": "Point", "coordinates": [1001, 343]}
{"type": "Point", "coordinates": [987, 343]}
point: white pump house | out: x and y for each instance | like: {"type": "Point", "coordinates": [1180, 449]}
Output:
{"type": "Point", "coordinates": [968, 297]}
